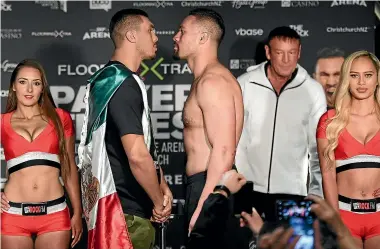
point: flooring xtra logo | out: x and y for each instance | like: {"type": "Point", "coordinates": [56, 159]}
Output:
{"type": "Point", "coordinates": [348, 3]}
{"type": "Point", "coordinates": [54, 5]}
{"type": "Point", "coordinates": [167, 68]}
{"type": "Point", "coordinates": [300, 30]}
{"type": "Point", "coordinates": [97, 33]}
{"type": "Point", "coordinates": [81, 69]}
{"type": "Point", "coordinates": [348, 29]}
{"type": "Point", "coordinates": [5, 7]}
{"type": "Point", "coordinates": [254, 4]}
{"type": "Point", "coordinates": [100, 5]}
{"type": "Point", "coordinates": [201, 3]}
{"type": "Point", "coordinates": [299, 4]}
{"type": "Point", "coordinates": [11, 34]}
{"type": "Point", "coordinates": [249, 32]}
{"type": "Point", "coordinates": [156, 4]}
{"type": "Point", "coordinates": [242, 64]}
{"type": "Point", "coordinates": [7, 67]}
{"type": "Point", "coordinates": [55, 34]}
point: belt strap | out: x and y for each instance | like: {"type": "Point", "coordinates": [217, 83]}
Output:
{"type": "Point", "coordinates": [349, 200]}
{"type": "Point", "coordinates": [48, 203]}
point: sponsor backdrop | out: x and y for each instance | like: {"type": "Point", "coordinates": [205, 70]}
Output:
{"type": "Point", "coordinates": [71, 40]}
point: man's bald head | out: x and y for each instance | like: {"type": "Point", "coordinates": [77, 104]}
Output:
{"type": "Point", "coordinates": [123, 21]}
{"type": "Point", "coordinates": [211, 21]}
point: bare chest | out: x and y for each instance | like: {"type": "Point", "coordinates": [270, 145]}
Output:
{"type": "Point", "coordinates": [192, 114]}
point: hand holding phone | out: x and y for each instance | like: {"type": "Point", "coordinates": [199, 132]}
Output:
{"type": "Point", "coordinates": [298, 215]}
{"type": "Point", "coordinates": [243, 199]}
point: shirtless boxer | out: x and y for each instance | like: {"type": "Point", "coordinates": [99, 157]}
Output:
{"type": "Point", "coordinates": [213, 112]}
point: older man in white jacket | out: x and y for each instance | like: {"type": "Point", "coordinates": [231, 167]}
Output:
{"type": "Point", "coordinates": [282, 107]}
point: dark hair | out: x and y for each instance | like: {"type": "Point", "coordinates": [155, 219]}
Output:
{"type": "Point", "coordinates": [47, 107]}
{"type": "Point", "coordinates": [329, 52]}
{"type": "Point", "coordinates": [215, 18]}
{"type": "Point", "coordinates": [125, 19]}
{"type": "Point", "coordinates": [283, 32]}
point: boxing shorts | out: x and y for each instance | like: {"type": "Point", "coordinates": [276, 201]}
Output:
{"type": "Point", "coordinates": [362, 217]}
{"type": "Point", "coordinates": [25, 219]}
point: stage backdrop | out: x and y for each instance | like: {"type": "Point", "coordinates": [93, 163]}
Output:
{"type": "Point", "coordinates": [71, 40]}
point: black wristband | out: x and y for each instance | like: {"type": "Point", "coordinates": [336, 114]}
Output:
{"type": "Point", "coordinates": [224, 188]}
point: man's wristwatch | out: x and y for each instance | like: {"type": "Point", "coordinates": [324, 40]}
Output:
{"type": "Point", "coordinates": [223, 188]}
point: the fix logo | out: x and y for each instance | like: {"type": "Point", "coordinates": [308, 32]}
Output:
{"type": "Point", "coordinates": [146, 69]}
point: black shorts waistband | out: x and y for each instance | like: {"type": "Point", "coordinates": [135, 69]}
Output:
{"type": "Point", "coordinates": [198, 177]}
{"type": "Point", "coordinates": [349, 200]}
{"type": "Point", "coordinates": [48, 203]}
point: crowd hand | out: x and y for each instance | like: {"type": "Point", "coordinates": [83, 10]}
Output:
{"type": "Point", "coordinates": [4, 202]}
{"type": "Point", "coordinates": [327, 214]}
{"type": "Point", "coordinates": [232, 180]}
{"type": "Point", "coordinates": [76, 229]}
{"type": "Point", "coordinates": [252, 221]}
{"type": "Point", "coordinates": [278, 239]}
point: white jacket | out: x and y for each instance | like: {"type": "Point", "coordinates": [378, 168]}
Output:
{"type": "Point", "coordinates": [278, 142]}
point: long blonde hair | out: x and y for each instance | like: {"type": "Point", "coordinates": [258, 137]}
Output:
{"type": "Point", "coordinates": [343, 99]}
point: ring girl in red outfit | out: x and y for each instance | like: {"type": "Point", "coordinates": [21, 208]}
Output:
{"type": "Point", "coordinates": [38, 142]}
{"type": "Point", "coordinates": [349, 149]}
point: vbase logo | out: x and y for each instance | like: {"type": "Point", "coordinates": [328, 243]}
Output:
{"type": "Point", "coordinates": [249, 32]}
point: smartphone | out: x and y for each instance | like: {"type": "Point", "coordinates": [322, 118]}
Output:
{"type": "Point", "coordinates": [243, 199]}
{"type": "Point", "coordinates": [297, 214]}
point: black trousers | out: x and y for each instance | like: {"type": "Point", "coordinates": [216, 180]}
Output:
{"type": "Point", "coordinates": [230, 236]}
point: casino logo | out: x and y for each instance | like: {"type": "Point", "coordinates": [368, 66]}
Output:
{"type": "Point", "coordinates": [11, 34]}
{"type": "Point", "coordinates": [299, 4]}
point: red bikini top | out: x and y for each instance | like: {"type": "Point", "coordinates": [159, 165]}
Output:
{"type": "Point", "coordinates": [350, 153]}
{"type": "Point", "coordinates": [43, 150]}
